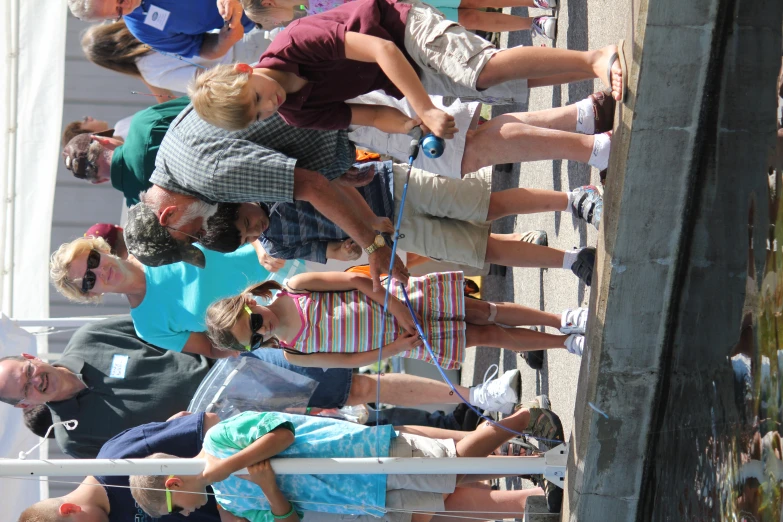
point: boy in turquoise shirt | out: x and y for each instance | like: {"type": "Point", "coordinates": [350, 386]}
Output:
{"type": "Point", "coordinates": [250, 439]}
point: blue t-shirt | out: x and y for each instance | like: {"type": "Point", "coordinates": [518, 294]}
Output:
{"type": "Point", "coordinates": [315, 437]}
{"type": "Point", "coordinates": [181, 437]}
{"type": "Point", "coordinates": [177, 27]}
{"type": "Point", "coordinates": [178, 295]}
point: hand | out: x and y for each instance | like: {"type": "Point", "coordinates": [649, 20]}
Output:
{"type": "Point", "coordinates": [440, 123]}
{"type": "Point", "coordinates": [346, 250]}
{"type": "Point", "coordinates": [410, 124]}
{"type": "Point", "coordinates": [403, 343]}
{"type": "Point", "coordinates": [262, 474]}
{"type": "Point", "coordinates": [233, 31]}
{"type": "Point", "coordinates": [401, 312]}
{"type": "Point", "coordinates": [379, 264]}
{"type": "Point", "coordinates": [214, 470]}
{"type": "Point", "coordinates": [383, 225]}
{"type": "Point", "coordinates": [178, 415]}
{"type": "Point", "coordinates": [272, 264]}
{"type": "Point", "coordinates": [357, 177]}
{"type": "Point", "coordinates": [226, 8]}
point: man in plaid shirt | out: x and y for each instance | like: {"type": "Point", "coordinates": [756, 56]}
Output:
{"type": "Point", "coordinates": [199, 165]}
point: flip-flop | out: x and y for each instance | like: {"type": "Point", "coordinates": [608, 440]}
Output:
{"type": "Point", "coordinates": [619, 55]}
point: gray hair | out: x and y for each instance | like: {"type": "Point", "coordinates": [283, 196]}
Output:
{"type": "Point", "coordinates": [84, 9]}
{"type": "Point", "coordinates": [156, 200]}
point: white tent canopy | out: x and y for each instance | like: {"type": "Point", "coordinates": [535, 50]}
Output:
{"type": "Point", "coordinates": [31, 94]}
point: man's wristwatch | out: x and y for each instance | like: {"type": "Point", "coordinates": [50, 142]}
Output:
{"type": "Point", "coordinates": [375, 245]}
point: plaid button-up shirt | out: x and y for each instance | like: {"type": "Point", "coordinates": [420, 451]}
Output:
{"type": "Point", "coordinates": [254, 164]}
{"type": "Point", "coordinates": [298, 231]}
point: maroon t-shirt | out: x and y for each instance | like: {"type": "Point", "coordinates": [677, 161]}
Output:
{"type": "Point", "coordinates": [314, 49]}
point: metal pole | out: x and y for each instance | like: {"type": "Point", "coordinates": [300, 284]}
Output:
{"type": "Point", "coordinates": [550, 464]}
{"type": "Point", "coordinates": [45, 322]}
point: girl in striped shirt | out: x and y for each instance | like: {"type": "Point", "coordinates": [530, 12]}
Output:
{"type": "Point", "coordinates": [335, 320]}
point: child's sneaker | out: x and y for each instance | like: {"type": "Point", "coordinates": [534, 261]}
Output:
{"type": "Point", "coordinates": [575, 344]}
{"type": "Point", "coordinates": [587, 204]}
{"type": "Point", "coordinates": [501, 394]}
{"type": "Point", "coordinates": [573, 321]}
{"type": "Point", "coordinates": [541, 401]}
{"type": "Point", "coordinates": [544, 424]}
{"type": "Point", "coordinates": [545, 26]}
{"type": "Point", "coordinates": [583, 266]}
{"type": "Point", "coordinates": [545, 4]}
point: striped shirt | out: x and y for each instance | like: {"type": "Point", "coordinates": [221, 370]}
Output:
{"type": "Point", "coordinates": [350, 322]}
{"type": "Point", "coordinates": [253, 164]}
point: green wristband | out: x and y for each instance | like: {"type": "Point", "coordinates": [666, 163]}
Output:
{"type": "Point", "coordinates": [286, 515]}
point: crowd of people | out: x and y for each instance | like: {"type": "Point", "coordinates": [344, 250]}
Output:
{"type": "Point", "coordinates": [301, 156]}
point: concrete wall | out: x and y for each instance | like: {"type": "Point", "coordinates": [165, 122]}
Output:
{"type": "Point", "coordinates": [688, 158]}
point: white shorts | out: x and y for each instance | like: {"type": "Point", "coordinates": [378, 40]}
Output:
{"type": "Point", "coordinates": [396, 145]}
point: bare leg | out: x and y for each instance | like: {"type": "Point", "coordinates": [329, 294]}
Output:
{"type": "Point", "coordinates": [477, 4]}
{"type": "Point", "coordinates": [484, 504]}
{"type": "Point", "coordinates": [511, 314]}
{"type": "Point", "coordinates": [493, 22]}
{"type": "Point", "coordinates": [541, 62]}
{"type": "Point", "coordinates": [525, 201]}
{"type": "Point", "coordinates": [558, 118]}
{"type": "Point", "coordinates": [506, 139]}
{"type": "Point", "coordinates": [402, 389]}
{"type": "Point", "coordinates": [514, 339]}
{"type": "Point", "coordinates": [522, 254]}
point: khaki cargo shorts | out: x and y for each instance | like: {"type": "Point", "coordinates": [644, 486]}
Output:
{"type": "Point", "coordinates": [450, 58]}
{"type": "Point", "coordinates": [444, 218]}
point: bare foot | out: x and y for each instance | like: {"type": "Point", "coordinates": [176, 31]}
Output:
{"type": "Point", "coordinates": [617, 80]}
{"type": "Point", "coordinates": [601, 65]}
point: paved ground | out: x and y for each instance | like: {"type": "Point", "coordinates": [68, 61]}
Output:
{"type": "Point", "coordinates": [581, 25]}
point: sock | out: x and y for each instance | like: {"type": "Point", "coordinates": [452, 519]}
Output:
{"type": "Point", "coordinates": [570, 206]}
{"type": "Point", "coordinates": [585, 118]}
{"type": "Point", "coordinates": [470, 396]}
{"type": "Point", "coordinates": [569, 257]}
{"type": "Point", "coordinates": [599, 157]}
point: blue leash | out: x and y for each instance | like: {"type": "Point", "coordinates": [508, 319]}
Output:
{"type": "Point", "coordinates": [434, 151]}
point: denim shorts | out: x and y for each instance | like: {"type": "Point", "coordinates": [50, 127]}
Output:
{"type": "Point", "coordinates": [334, 384]}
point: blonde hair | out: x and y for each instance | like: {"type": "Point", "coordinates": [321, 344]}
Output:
{"type": "Point", "coordinates": [220, 98]}
{"type": "Point", "coordinates": [149, 491]}
{"type": "Point", "coordinates": [222, 315]}
{"type": "Point", "coordinates": [60, 264]}
{"type": "Point", "coordinates": [44, 511]}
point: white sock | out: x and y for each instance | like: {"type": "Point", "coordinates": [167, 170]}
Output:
{"type": "Point", "coordinates": [569, 257]}
{"type": "Point", "coordinates": [570, 206]}
{"type": "Point", "coordinates": [599, 157]}
{"type": "Point", "coordinates": [585, 118]}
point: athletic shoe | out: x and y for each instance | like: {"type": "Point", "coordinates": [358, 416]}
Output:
{"type": "Point", "coordinates": [501, 394]}
{"type": "Point", "coordinates": [583, 266]}
{"type": "Point", "coordinates": [587, 204]}
{"type": "Point", "coordinates": [537, 237]}
{"type": "Point", "coordinates": [544, 424]}
{"type": "Point", "coordinates": [545, 26]}
{"type": "Point", "coordinates": [546, 4]}
{"type": "Point", "coordinates": [541, 402]}
{"type": "Point", "coordinates": [554, 496]}
{"type": "Point", "coordinates": [575, 344]}
{"type": "Point", "coordinates": [533, 358]}
{"type": "Point", "coordinates": [573, 321]}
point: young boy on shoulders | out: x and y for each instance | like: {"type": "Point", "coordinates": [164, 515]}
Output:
{"type": "Point", "coordinates": [250, 439]}
{"type": "Point", "coordinates": [403, 47]}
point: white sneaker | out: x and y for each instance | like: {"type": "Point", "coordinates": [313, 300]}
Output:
{"type": "Point", "coordinates": [575, 344]}
{"type": "Point", "coordinates": [541, 401]}
{"type": "Point", "coordinates": [545, 26]}
{"type": "Point", "coordinates": [545, 4]}
{"type": "Point", "coordinates": [573, 321]}
{"type": "Point", "coordinates": [501, 394]}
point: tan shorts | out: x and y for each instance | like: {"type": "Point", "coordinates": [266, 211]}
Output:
{"type": "Point", "coordinates": [444, 218]}
{"type": "Point", "coordinates": [450, 58]}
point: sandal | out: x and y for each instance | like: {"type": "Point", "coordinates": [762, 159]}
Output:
{"type": "Point", "coordinates": [544, 424]}
{"type": "Point", "coordinates": [603, 110]}
{"type": "Point", "coordinates": [515, 447]}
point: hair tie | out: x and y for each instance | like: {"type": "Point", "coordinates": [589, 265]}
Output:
{"type": "Point", "coordinates": [243, 68]}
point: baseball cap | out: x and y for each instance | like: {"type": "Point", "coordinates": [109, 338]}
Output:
{"type": "Point", "coordinates": [75, 154]}
{"type": "Point", "coordinates": [151, 243]}
{"type": "Point", "coordinates": [106, 231]}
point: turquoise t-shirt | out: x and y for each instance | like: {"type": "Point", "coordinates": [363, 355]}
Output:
{"type": "Point", "coordinates": [315, 437]}
{"type": "Point", "coordinates": [178, 295]}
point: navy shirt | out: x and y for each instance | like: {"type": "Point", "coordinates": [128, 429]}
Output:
{"type": "Point", "coordinates": [177, 27]}
{"type": "Point", "coordinates": [181, 437]}
{"type": "Point", "coordinates": [298, 231]}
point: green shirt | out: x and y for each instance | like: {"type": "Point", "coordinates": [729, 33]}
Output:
{"type": "Point", "coordinates": [129, 383]}
{"type": "Point", "coordinates": [133, 162]}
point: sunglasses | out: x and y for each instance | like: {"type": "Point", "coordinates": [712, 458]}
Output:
{"type": "Point", "coordinates": [256, 323]}
{"type": "Point", "coordinates": [170, 503]}
{"type": "Point", "coordinates": [93, 262]}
